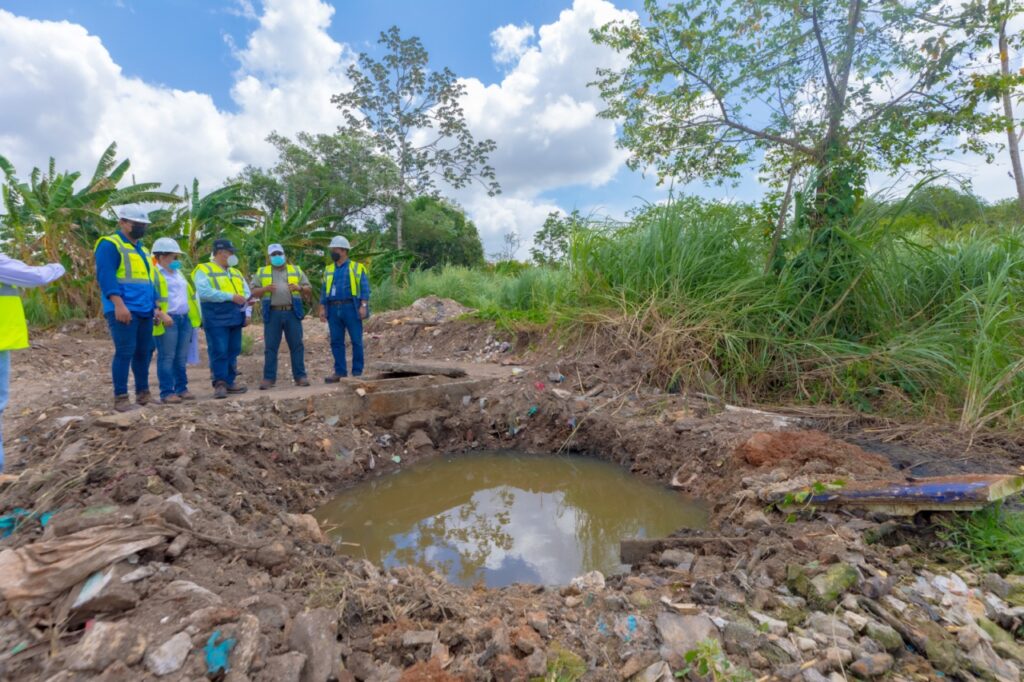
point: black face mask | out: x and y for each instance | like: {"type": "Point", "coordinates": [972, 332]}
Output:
{"type": "Point", "coordinates": [137, 231]}
{"type": "Point", "coordinates": [335, 256]}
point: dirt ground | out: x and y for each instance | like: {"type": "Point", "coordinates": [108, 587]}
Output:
{"type": "Point", "coordinates": [185, 526]}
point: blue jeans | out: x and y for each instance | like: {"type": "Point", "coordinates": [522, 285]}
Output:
{"type": "Point", "coordinates": [172, 355]}
{"type": "Point", "coordinates": [133, 350]}
{"type": "Point", "coordinates": [340, 319]}
{"type": "Point", "coordinates": [224, 344]}
{"type": "Point", "coordinates": [5, 385]}
{"type": "Point", "coordinates": [278, 322]}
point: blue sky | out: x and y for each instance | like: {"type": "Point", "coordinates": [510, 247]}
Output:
{"type": "Point", "coordinates": [190, 88]}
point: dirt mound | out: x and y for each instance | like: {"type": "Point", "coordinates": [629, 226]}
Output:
{"type": "Point", "coordinates": [770, 448]}
{"type": "Point", "coordinates": [431, 310]}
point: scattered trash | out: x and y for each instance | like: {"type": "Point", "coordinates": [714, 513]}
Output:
{"type": "Point", "coordinates": [532, 411]}
{"type": "Point", "coordinates": [361, 392]}
{"type": "Point", "coordinates": [217, 653]}
{"type": "Point", "coordinates": [516, 371]}
{"type": "Point", "coordinates": [94, 584]}
{"type": "Point", "coordinates": [18, 648]}
{"type": "Point", "coordinates": [332, 420]}
{"type": "Point", "coordinates": [556, 377]}
{"type": "Point", "coordinates": [571, 423]}
{"type": "Point", "coordinates": [539, 385]}
{"type": "Point", "coordinates": [396, 459]}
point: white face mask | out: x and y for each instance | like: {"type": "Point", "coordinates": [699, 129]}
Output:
{"type": "Point", "coordinates": [232, 261]}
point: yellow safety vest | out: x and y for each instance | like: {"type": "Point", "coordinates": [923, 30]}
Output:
{"type": "Point", "coordinates": [355, 273]}
{"type": "Point", "coordinates": [194, 314]}
{"type": "Point", "coordinates": [13, 327]}
{"type": "Point", "coordinates": [133, 268]}
{"type": "Point", "coordinates": [267, 278]}
{"type": "Point", "coordinates": [235, 282]}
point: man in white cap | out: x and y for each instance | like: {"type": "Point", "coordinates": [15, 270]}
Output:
{"type": "Point", "coordinates": [345, 303]}
{"type": "Point", "coordinates": [281, 286]}
{"type": "Point", "coordinates": [178, 319]}
{"type": "Point", "coordinates": [127, 278]}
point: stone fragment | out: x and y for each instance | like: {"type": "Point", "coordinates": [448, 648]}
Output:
{"type": "Point", "coordinates": [269, 608]}
{"type": "Point", "coordinates": [186, 589]}
{"type": "Point", "coordinates": [656, 672]}
{"type": "Point", "coordinates": [271, 554]}
{"type": "Point", "coordinates": [830, 626]}
{"type": "Point", "coordinates": [677, 558]}
{"type": "Point", "coordinates": [247, 644]}
{"type": "Point", "coordinates": [680, 634]}
{"type": "Point", "coordinates": [140, 573]}
{"type": "Point", "coordinates": [769, 624]}
{"type": "Point", "coordinates": [537, 664]}
{"type": "Point", "coordinates": [361, 665]}
{"type": "Point", "coordinates": [740, 639]}
{"type": "Point", "coordinates": [756, 519]}
{"type": "Point", "coordinates": [856, 621]}
{"type": "Point", "coordinates": [526, 640]}
{"type": "Point", "coordinates": [538, 620]}
{"type": "Point", "coordinates": [588, 582]}
{"type": "Point", "coordinates": [305, 526]}
{"type": "Point", "coordinates": [885, 635]}
{"type": "Point", "coordinates": [415, 638]}
{"type": "Point", "coordinates": [315, 635]}
{"type": "Point", "coordinates": [418, 440]}
{"type": "Point", "coordinates": [826, 588]}
{"type": "Point", "coordinates": [997, 585]}
{"type": "Point", "coordinates": [169, 656]}
{"type": "Point", "coordinates": [107, 643]}
{"type": "Point", "coordinates": [177, 546]}
{"type": "Point", "coordinates": [872, 666]}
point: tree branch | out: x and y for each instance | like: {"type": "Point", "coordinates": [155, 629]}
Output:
{"type": "Point", "coordinates": [824, 53]}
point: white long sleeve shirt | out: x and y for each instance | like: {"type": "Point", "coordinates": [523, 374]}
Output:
{"type": "Point", "coordinates": [15, 273]}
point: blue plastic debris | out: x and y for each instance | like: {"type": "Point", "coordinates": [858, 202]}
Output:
{"type": "Point", "coordinates": [532, 411]}
{"type": "Point", "coordinates": [10, 522]}
{"type": "Point", "coordinates": [217, 653]}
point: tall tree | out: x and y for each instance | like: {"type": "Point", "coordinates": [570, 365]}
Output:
{"type": "Point", "coordinates": [831, 88]}
{"type": "Point", "coordinates": [551, 243]}
{"type": "Point", "coordinates": [437, 232]}
{"type": "Point", "coordinates": [414, 117]}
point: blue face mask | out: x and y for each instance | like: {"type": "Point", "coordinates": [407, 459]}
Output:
{"type": "Point", "coordinates": [175, 265]}
{"type": "Point", "coordinates": [277, 261]}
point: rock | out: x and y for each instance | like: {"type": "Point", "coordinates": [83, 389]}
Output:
{"type": "Point", "coordinates": [208, 618]}
{"type": "Point", "coordinates": [169, 656]}
{"type": "Point", "coordinates": [769, 624]}
{"type": "Point", "coordinates": [538, 620]}
{"type": "Point", "coordinates": [247, 643]}
{"type": "Point", "coordinates": [177, 547]}
{"type": "Point", "coordinates": [284, 668]}
{"type": "Point", "coordinates": [537, 663]}
{"type": "Point", "coordinates": [997, 585]}
{"type": "Point", "coordinates": [269, 608]}
{"type": "Point", "coordinates": [886, 636]}
{"type": "Point", "coordinates": [140, 573]}
{"type": "Point", "coordinates": [756, 519]}
{"type": "Point", "coordinates": [415, 638]}
{"type": "Point", "coordinates": [856, 621]}
{"type": "Point", "coordinates": [304, 526]}
{"type": "Point", "coordinates": [812, 675]}
{"type": "Point", "coordinates": [824, 590]}
{"type": "Point", "coordinates": [186, 589]}
{"type": "Point", "coordinates": [877, 587]}
{"type": "Point", "coordinates": [677, 558]}
{"type": "Point", "coordinates": [271, 554]}
{"type": "Point", "coordinates": [656, 672]}
{"type": "Point", "coordinates": [526, 639]}
{"type": "Point", "coordinates": [418, 440]}
{"type": "Point", "coordinates": [836, 657]}
{"type": "Point", "coordinates": [100, 593]}
{"type": "Point", "coordinates": [830, 626]}
{"type": "Point", "coordinates": [680, 634]}
{"type": "Point", "coordinates": [360, 664]}
{"type": "Point", "coordinates": [107, 643]}
{"type": "Point", "coordinates": [572, 601]}
{"type": "Point", "coordinates": [593, 581]}
{"type": "Point", "coordinates": [740, 639]}
{"type": "Point", "coordinates": [806, 644]}
{"type": "Point", "coordinates": [315, 634]}
{"type": "Point", "coordinates": [707, 567]}
{"type": "Point", "coordinates": [872, 666]}
{"type": "Point", "coordinates": [1002, 641]}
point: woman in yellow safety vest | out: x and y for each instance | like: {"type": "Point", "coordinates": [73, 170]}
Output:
{"type": "Point", "coordinates": [178, 320]}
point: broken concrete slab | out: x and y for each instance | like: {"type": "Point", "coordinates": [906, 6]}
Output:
{"type": "Point", "coordinates": [405, 369]}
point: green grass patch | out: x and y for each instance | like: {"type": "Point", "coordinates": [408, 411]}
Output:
{"type": "Point", "coordinates": [991, 538]}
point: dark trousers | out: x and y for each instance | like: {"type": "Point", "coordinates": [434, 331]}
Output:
{"type": "Point", "coordinates": [133, 350]}
{"type": "Point", "coordinates": [284, 322]}
{"type": "Point", "coordinates": [340, 319]}
{"type": "Point", "coordinates": [224, 345]}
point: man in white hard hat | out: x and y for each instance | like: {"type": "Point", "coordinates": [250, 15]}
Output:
{"type": "Point", "coordinates": [178, 320]}
{"type": "Point", "coordinates": [281, 286]}
{"type": "Point", "coordinates": [344, 304]}
{"type": "Point", "coordinates": [127, 278]}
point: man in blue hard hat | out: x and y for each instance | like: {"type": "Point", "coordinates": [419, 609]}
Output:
{"type": "Point", "coordinates": [125, 273]}
{"type": "Point", "coordinates": [223, 295]}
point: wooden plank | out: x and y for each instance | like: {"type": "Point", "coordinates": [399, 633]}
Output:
{"type": "Point", "coordinates": [414, 369]}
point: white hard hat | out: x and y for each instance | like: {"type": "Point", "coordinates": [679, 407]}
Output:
{"type": "Point", "coordinates": [274, 248]}
{"type": "Point", "coordinates": [133, 214]}
{"type": "Point", "coordinates": [340, 242]}
{"type": "Point", "coordinates": [165, 245]}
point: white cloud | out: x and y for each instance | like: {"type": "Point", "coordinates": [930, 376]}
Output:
{"type": "Point", "coordinates": [510, 42]}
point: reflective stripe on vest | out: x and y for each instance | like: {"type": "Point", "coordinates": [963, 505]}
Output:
{"type": "Point", "coordinates": [267, 277]}
{"type": "Point", "coordinates": [13, 327]}
{"type": "Point", "coordinates": [134, 268]}
{"type": "Point", "coordinates": [354, 275]}
{"type": "Point", "coordinates": [233, 276]}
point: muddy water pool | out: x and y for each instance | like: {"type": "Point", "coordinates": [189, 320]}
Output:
{"type": "Point", "coordinates": [502, 518]}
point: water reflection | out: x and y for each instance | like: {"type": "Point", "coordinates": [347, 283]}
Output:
{"type": "Point", "coordinates": [504, 518]}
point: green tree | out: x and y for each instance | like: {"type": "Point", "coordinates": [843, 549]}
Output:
{"type": "Point", "coordinates": [438, 232]}
{"type": "Point", "coordinates": [341, 170]}
{"type": "Point", "coordinates": [413, 115]}
{"type": "Point", "coordinates": [831, 88]}
{"type": "Point", "coordinates": [551, 243]}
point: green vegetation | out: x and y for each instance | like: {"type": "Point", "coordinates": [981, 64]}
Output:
{"type": "Point", "coordinates": [708, 661]}
{"type": "Point", "coordinates": [991, 538]}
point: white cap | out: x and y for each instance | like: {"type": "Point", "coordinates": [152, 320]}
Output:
{"type": "Point", "coordinates": [340, 242]}
{"type": "Point", "coordinates": [165, 245]}
{"type": "Point", "coordinates": [274, 248]}
{"type": "Point", "coordinates": [133, 214]}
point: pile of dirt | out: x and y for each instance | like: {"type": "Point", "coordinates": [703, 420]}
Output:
{"type": "Point", "coordinates": [771, 448]}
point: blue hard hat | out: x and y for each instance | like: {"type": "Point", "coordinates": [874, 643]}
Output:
{"type": "Point", "coordinates": [133, 214]}
{"type": "Point", "coordinates": [223, 245]}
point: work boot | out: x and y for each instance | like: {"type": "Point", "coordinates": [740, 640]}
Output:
{"type": "Point", "coordinates": [171, 400]}
{"type": "Point", "coordinates": [142, 398]}
{"type": "Point", "coordinates": [333, 379]}
{"type": "Point", "coordinates": [122, 403]}
{"type": "Point", "coordinates": [235, 388]}
{"type": "Point", "coordinates": [185, 395]}
{"type": "Point", "coordinates": [302, 382]}
{"type": "Point", "coordinates": [266, 384]}
{"type": "Point", "coordinates": [220, 390]}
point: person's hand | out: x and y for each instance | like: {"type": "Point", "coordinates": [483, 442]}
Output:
{"type": "Point", "coordinates": [363, 311]}
{"type": "Point", "coordinates": [270, 288]}
{"type": "Point", "coordinates": [323, 313]}
{"type": "Point", "coordinates": [167, 320]}
{"type": "Point", "coordinates": [293, 287]}
{"type": "Point", "coordinates": [121, 312]}
{"type": "Point", "coordinates": [239, 299]}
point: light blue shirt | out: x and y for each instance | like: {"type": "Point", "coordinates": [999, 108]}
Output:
{"type": "Point", "coordinates": [15, 273]}
{"type": "Point", "coordinates": [207, 293]}
{"type": "Point", "coordinates": [177, 292]}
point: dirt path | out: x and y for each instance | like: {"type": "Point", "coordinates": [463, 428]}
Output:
{"type": "Point", "coordinates": [186, 526]}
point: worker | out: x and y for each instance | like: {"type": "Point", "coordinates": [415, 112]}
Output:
{"type": "Point", "coordinates": [281, 286]}
{"type": "Point", "coordinates": [223, 297]}
{"type": "Point", "coordinates": [126, 278]}
{"type": "Point", "coordinates": [177, 321]}
{"type": "Point", "coordinates": [344, 304]}
{"type": "Point", "coordinates": [13, 327]}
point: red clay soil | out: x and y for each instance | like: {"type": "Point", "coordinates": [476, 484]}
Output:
{"type": "Point", "coordinates": [774, 447]}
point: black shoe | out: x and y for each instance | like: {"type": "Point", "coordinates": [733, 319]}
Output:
{"type": "Point", "coordinates": [266, 384]}
{"type": "Point", "coordinates": [333, 379]}
{"type": "Point", "coordinates": [235, 388]}
{"type": "Point", "coordinates": [220, 390]}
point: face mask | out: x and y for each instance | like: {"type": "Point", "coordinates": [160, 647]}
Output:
{"type": "Point", "coordinates": [232, 261]}
{"type": "Point", "coordinates": [335, 256]}
{"type": "Point", "coordinates": [137, 231]}
{"type": "Point", "coordinates": [277, 261]}
{"type": "Point", "coordinates": [175, 265]}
